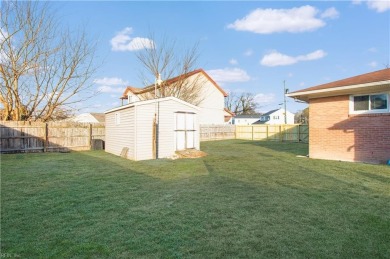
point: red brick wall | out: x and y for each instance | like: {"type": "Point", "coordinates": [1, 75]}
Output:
{"type": "Point", "coordinates": [336, 135]}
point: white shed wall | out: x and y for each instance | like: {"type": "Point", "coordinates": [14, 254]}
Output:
{"type": "Point", "coordinates": [121, 135]}
{"type": "Point", "coordinates": [144, 131]}
{"type": "Point", "coordinates": [166, 109]}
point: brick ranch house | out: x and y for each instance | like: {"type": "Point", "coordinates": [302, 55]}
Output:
{"type": "Point", "coordinates": [350, 118]}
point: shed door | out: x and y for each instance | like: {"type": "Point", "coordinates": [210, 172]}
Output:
{"type": "Point", "coordinates": [185, 130]}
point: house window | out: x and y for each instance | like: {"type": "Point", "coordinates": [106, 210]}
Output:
{"type": "Point", "coordinates": [370, 103]}
{"type": "Point", "coordinates": [276, 117]}
{"type": "Point", "coordinates": [130, 99]}
{"type": "Point", "coordinates": [117, 118]}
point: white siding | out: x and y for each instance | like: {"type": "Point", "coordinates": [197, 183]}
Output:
{"type": "Point", "coordinates": [135, 130]}
{"type": "Point", "coordinates": [278, 117]}
{"type": "Point", "coordinates": [212, 105]}
{"type": "Point", "coordinates": [144, 131]}
{"type": "Point", "coordinates": [122, 135]}
{"type": "Point", "coordinates": [167, 137]}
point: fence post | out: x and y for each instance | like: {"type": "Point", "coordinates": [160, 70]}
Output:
{"type": "Point", "coordinates": [90, 136]}
{"type": "Point", "coordinates": [280, 133]}
{"type": "Point", "coordinates": [299, 132]}
{"type": "Point", "coordinates": [46, 143]}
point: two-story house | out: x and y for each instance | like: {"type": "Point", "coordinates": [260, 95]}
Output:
{"type": "Point", "coordinates": [277, 116]}
{"type": "Point", "coordinates": [246, 119]}
{"type": "Point", "coordinates": [210, 97]}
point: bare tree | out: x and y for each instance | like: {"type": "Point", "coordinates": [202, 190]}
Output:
{"type": "Point", "coordinates": [243, 103]}
{"type": "Point", "coordinates": [42, 67]}
{"type": "Point", "coordinates": [164, 59]}
{"type": "Point", "coordinates": [302, 117]}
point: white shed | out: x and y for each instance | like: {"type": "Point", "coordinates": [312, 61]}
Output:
{"type": "Point", "coordinates": [131, 129]}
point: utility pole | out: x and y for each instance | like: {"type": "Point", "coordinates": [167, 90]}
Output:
{"type": "Point", "coordinates": [285, 105]}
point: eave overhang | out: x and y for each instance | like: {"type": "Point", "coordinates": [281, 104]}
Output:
{"type": "Point", "coordinates": [373, 87]}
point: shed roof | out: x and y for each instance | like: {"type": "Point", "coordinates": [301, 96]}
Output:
{"type": "Point", "coordinates": [372, 81]}
{"type": "Point", "coordinates": [146, 102]}
{"type": "Point", "coordinates": [100, 117]}
{"type": "Point", "coordinates": [150, 88]}
{"type": "Point", "coordinates": [248, 116]}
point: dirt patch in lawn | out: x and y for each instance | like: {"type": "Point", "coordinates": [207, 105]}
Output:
{"type": "Point", "coordinates": [190, 153]}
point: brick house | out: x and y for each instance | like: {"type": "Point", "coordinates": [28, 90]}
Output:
{"type": "Point", "coordinates": [350, 118]}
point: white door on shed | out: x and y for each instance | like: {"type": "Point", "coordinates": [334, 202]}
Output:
{"type": "Point", "coordinates": [185, 130]}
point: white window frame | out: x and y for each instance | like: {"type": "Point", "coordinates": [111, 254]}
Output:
{"type": "Point", "coordinates": [351, 104]}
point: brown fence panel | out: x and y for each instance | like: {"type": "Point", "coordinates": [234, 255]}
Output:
{"type": "Point", "coordinates": [22, 136]}
{"type": "Point", "coordinates": [217, 132]}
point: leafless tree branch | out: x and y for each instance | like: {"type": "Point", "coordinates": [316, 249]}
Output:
{"type": "Point", "coordinates": [166, 59]}
{"type": "Point", "coordinates": [43, 68]}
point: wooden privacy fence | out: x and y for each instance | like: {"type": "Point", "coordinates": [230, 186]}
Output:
{"type": "Point", "coordinates": [22, 136]}
{"type": "Point", "coordinates": [293, 132]}
{"type": "Point", "coordinates": [217, 132]}
{"type": "Point", "coordinates": [286, 132]}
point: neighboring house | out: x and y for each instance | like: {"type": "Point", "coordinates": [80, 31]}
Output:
{"type": "Point", "coordinates": [131, 130]}
{"type": "Point", "coordinates": [246, 119]}
{"type": "Point", "coordinates": [350, 118]}
{"type": "Point", "coordinates": [229, 116]}
{"type": "Point", "coordinates": [276, 117]}
{"type": "Point", "coordinates": [89, 118]}
{"type": "Point", "coordinates": [212, 104]}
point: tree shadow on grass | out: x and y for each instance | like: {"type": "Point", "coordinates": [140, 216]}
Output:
{"type": "Point", "coordinates": [94, 204]}
{"type": "Point", "coordinates": [293, 148]}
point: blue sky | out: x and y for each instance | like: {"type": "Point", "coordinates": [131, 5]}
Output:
{"type": "Point", "coordinates": [244, 46]}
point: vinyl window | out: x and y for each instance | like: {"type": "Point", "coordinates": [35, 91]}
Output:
{"type": "Point", "coordinates": [370, 103]}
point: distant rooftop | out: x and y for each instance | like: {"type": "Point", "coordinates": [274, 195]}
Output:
{"type": "Point", "coordinates": [248, 116]}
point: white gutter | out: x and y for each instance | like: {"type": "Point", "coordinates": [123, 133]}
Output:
{"type": "Point", "coordinates": [335, 89]}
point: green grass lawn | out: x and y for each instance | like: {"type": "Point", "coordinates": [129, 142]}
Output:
{"type": "Point", "coordinates": [245, 199]}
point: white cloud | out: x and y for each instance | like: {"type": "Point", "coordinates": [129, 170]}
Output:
{"type": "Point", "coordinates": [357, 2]}
{"type": "Point", "coordinates": [110, 81]}
{"type": "Point", "coordinates": [110, 89]}
{"type": "Point", "coordinates": [378, 5]}
{"type": "Point", "coordinates": [110, 85]}
{"type": "Point", "coordinates": [228, 75]}
{"type": "Point", "coordinates": [248, 52]}
{"type": "Point", "coordinates": [331, 13]}
{"type": "Point", "coordinates": [264, 98]}
{"type": "Point", "coordinates": [123, 42]}
{"type": "Point", "coordinates": [278, 59]}
{"type": "Point", "coordinates": [373, 64]}
{"type": "Point", "coordinates": [233, 61]}
{"type": "Point", "coordinates": [265, 21]}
